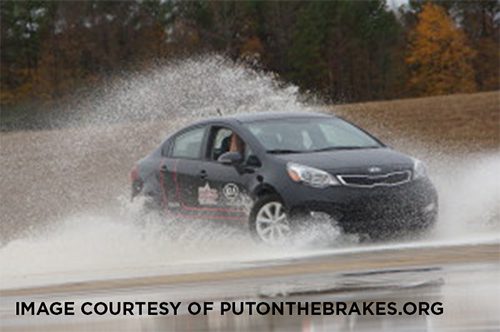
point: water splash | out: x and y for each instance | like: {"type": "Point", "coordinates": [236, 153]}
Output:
{"type": "Point", "coordinates": [469, 192]}
{"type": "Point", "coordinates": [201, 86]}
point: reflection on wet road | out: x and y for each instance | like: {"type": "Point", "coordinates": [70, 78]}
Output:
{"type": "Point", "coordinates": [467, 306]}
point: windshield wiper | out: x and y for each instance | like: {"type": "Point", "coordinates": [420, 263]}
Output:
{"type": "Point", "coordinates": [280, 151]}
{"type": "Point", "coordinates": [331, 148]}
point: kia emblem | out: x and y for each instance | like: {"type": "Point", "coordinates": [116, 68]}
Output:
{"type": "Point", "coordinates": [374, 169]}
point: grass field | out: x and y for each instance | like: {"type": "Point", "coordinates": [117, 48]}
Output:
{"type": "Point", "coordinates": [456, 123]}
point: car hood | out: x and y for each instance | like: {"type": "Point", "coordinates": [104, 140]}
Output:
{"type": "Point", "coordinates": [358, 160]}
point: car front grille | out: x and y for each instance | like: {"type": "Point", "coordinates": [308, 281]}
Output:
{"type": "Point", "coordinates": [369, 181]}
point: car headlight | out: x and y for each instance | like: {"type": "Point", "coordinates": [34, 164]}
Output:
{"type": "Point", "coordinates": [311, 176]}
{"type": "Point", "coordinates": [419, 169]}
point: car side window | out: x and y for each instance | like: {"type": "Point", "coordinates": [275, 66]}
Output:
{"type": "Point", "coordinates": [165, 148]}
{"type": "Point", "coordinates": [221, 142]}
{"type": "Point", "coordinates": [225, 140]}
{"type": "Point", "coordinates": [188, 144]}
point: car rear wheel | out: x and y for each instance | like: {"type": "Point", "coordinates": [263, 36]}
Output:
{"type": "Point", "coordinates": [269, 221]}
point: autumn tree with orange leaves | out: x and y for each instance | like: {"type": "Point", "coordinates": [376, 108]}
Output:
{"type": "Point", "coordinates": [439, 57]}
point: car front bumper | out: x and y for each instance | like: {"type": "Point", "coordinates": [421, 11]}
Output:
{"type": "Point", "coordinates": [410, 206]}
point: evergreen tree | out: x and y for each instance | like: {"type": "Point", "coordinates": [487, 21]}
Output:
{"type": "Point", "coordinates": [306, 55]}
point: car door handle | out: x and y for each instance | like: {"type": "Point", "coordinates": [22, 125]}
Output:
{"type": "Point", "coordinates": [203, 174]}
{"type": "Point", "coordinates": [164, 168]}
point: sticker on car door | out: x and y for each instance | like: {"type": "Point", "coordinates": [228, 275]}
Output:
{"type": "Point", "coordinates": [207, 195]}
{"type": "Point", "coordinates": [231, 191]}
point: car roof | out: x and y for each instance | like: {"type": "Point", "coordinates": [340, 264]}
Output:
{"type": "Point", "coordinates": [262, 116]}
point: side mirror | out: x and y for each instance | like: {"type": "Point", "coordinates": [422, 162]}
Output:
{"type": "Point", "coordinates": [253, 161]}
{"type": "Point", "coordinates": [230, 158]}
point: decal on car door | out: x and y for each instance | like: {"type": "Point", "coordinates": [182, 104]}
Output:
{"type": "Point", "coordinates": [231, 191]}
{"type": "Point", "coordinates": [207, 195]}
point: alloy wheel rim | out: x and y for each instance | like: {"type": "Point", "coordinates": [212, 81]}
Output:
{"type": "Point", "coordinates": [272, 223]}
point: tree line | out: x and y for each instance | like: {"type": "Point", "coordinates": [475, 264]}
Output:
{"type": "Point", "coordinates": [342, 50]}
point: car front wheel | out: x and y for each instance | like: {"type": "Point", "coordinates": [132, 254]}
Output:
{"type": "Point", "coordinates": [269, 221]}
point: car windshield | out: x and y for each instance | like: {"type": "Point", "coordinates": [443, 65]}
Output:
{"type": "Point", "coordinates": [299, 135]}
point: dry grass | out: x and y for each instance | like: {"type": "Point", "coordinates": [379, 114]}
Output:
{"type": "Point", "coordinates": [465, 122]}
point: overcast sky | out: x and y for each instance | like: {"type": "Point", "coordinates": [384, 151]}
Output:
{"type": "Point", "coordinates": [394, 4]}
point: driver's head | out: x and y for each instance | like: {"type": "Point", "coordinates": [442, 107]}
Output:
{"type": "Point", "coordinates": [237, 145]}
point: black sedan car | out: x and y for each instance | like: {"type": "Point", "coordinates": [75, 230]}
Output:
{"type": "Point", "coordinates": [279, 171]}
